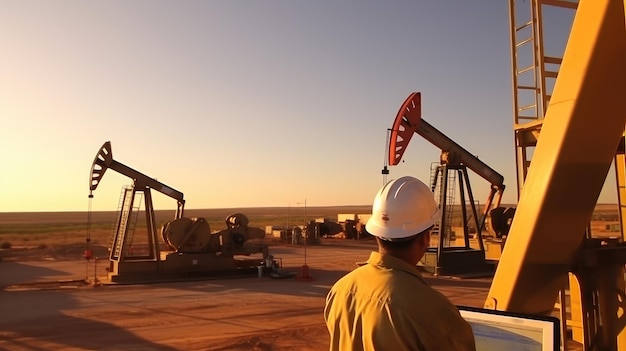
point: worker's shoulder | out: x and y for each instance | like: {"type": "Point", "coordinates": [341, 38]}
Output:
{"type": "Point", "coordinates": [372, 276]}
{"type": "Point", "coordinates": [355, 275]}
{"type": "Point", "coordinates": [362, 278]}
{"type": "Point", "coordinates": [408, 291]}
{"type": "Point", "coordinates": [425, 307]}
{"type": "Point", "coordinates": [407, 284]}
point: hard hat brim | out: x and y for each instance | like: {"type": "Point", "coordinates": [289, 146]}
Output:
{"type": "Point", "coordinates": [392, 234]}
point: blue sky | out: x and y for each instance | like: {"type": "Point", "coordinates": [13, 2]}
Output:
{"type": "Point", "coordinates": [244, 103]}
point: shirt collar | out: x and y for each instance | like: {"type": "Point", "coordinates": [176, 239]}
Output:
{"type": "Point", "coordinates": [388, 261]}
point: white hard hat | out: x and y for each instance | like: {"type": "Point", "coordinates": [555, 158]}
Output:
{"type": "Point", "coordinates": [402, 208]}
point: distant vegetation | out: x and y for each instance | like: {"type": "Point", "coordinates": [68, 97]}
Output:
{"type": "Point", "coordinates": [59, 228]}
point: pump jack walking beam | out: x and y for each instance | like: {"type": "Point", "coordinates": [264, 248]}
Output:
{"type": "Point", "coordinates": [409, 121]}
{"type": "Point", "coordinates": [104, 160]}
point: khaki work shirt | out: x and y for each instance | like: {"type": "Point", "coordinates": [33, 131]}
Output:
{"type": "Point", "coordinates": [387, 305]}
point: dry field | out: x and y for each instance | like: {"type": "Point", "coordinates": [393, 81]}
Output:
{"type": "Point", "coordinates": [63, 235]}
{"type": "Point", "coordinates": [259, 314]}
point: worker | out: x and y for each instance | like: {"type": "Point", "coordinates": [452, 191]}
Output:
{"type": "Point", "coordinates": [385, 304]}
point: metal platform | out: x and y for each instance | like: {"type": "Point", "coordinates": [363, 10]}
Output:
{"type": "Point", "coordinates": [457, 261]}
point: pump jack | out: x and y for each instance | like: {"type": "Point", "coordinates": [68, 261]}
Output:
{"type": "Point", "coordinates": [445, 258]}
{"type": "Point", "coordinates": [193, 249]}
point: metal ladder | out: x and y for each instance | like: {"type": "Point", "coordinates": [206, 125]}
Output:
{"type": "Point", "coordinates": [435, 178]}
{"type": "Point", "coordinates": [534, 72]}
{"type": "Point", "coordinates": [125, 227]}
{"type": "Point", "coordinates": [450, 198]}
{"type": "Point", "coordinates": [435, 172]}
{"type": "Point", "coordinates": [132, 222]}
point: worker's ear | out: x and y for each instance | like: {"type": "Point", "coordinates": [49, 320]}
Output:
{"type": "Point", "coordinates": [424, 239]}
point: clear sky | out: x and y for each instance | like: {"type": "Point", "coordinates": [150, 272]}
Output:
{"type": "Point", "coordinates": [244, 103]}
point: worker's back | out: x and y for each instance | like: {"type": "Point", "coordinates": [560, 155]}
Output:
{"type": "Point", "coordinates": [386, 305]}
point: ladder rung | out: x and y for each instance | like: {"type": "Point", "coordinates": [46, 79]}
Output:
{"type": "Point", "coordinates": [527, 107]}
{"type": "Point", "coordinates": [529, 68]}
{"type": "Point", "coordinates": [527, 87]}
{"type": "Point", "coordinates": [525, 41]}
{"type": "Point", "coordinates": [552, 60]}
{"type": "Point", "coordinates": [527, 118]}
{"type": "Point", "coordinates": [551, 74]}
{"type": "Point", "coordinates": [560, 3]}
{"type": "Point", "coordinates": [524, 25]}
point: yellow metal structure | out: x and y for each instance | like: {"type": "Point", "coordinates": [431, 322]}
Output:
{"type": "Point", "coordinates": [582, 129]}
{"type": "Point", "coordinates": [620, 176]}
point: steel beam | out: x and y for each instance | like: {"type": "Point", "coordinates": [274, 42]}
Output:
{"type": "Point", "coordinates": [580, 134]}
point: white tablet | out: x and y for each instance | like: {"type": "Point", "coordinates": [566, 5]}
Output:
{"type": "Point", "coordinates": [500, 330]}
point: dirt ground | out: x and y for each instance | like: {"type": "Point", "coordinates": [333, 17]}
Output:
{"type": "Point", "coordinates": [47, 301]}
{"type": "Point", "coordinates": [251, 313]}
